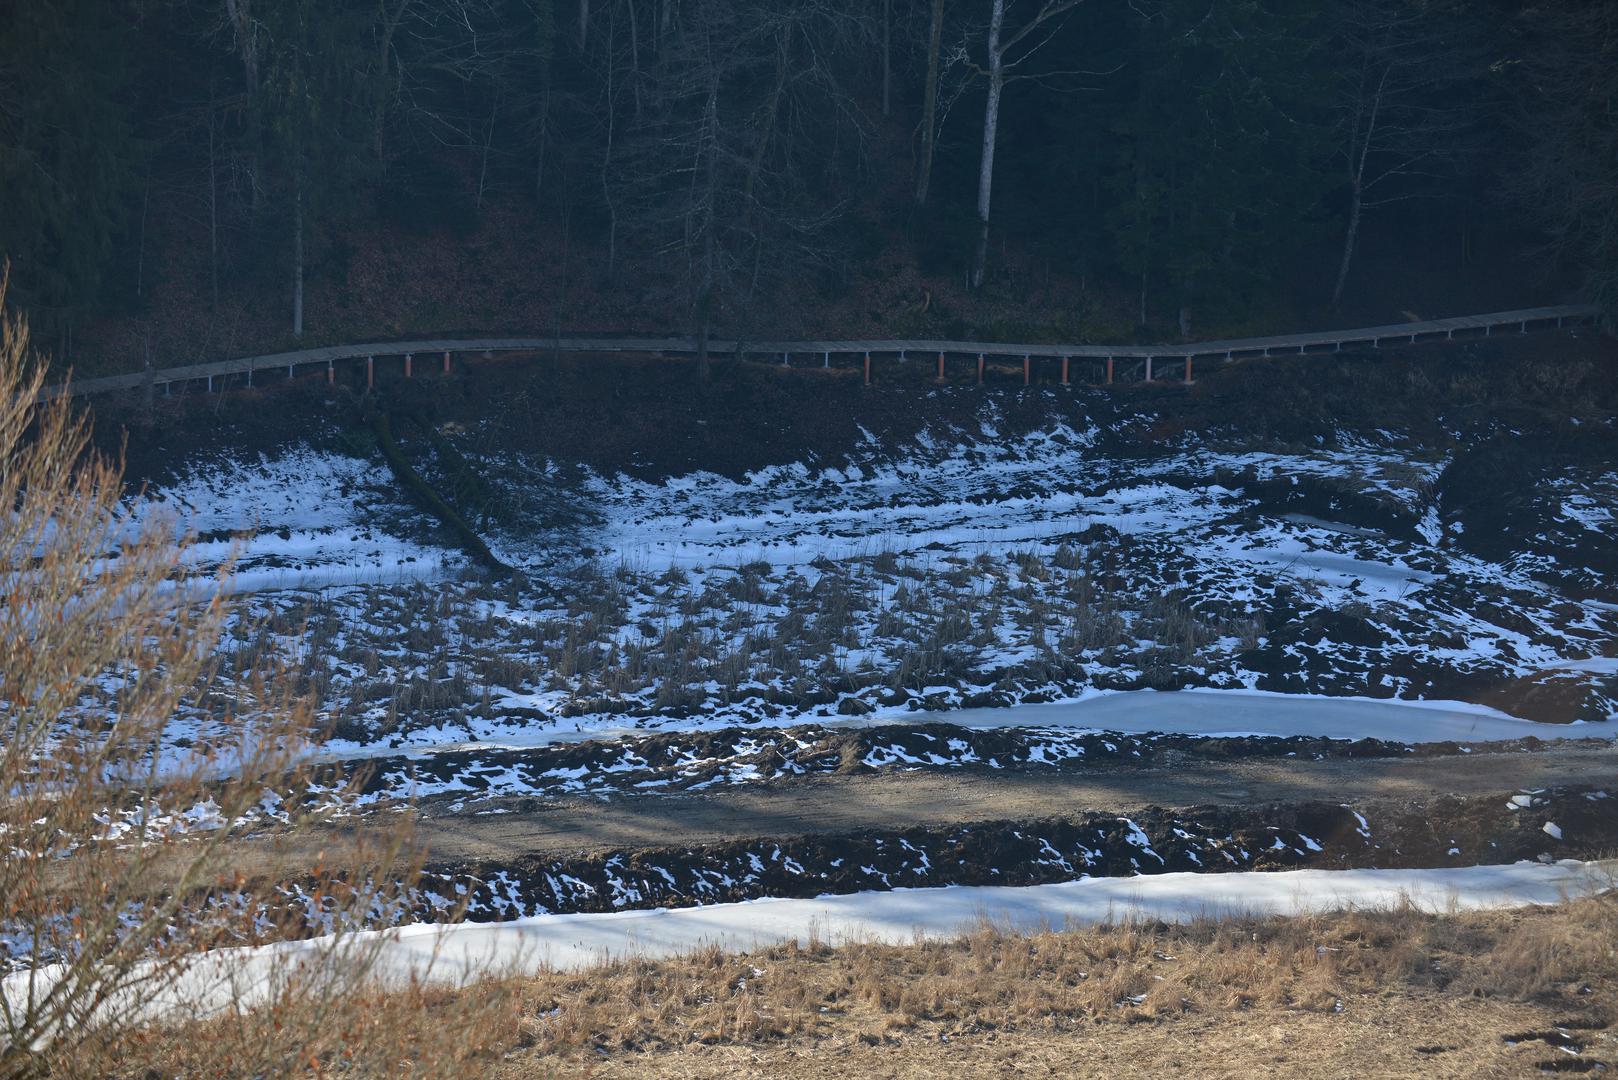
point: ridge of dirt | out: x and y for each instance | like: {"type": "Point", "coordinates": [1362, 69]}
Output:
{"type": "Point", "coordinates": [689, 761]}
{"type": "Point", "coordinates": [650, 417]}
{"type": "Point", "coordinates": [506, 828]}
{"type": "Point", "coordinates": [1444, 830]}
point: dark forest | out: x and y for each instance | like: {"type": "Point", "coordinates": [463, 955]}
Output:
{"type": "Point", "coordinates": [194, 178]}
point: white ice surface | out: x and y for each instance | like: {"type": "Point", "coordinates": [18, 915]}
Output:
{"type": "Point", "coordinates": [1253, 712]}
{"type": "Point", "coordinates": [455, 953]}
{"type": "Point", "coordinates": [1227, 713]}
{"type": "Point", "coordinates": [1595, 665]}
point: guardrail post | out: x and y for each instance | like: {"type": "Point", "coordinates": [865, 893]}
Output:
{"type": "Point", "coordinates": [940, 367]}
{"type": "Point", "coordinates": [1027, 369]}
{"type": "Point", "coordinates": [1188, 371]}
{"type": "Point", "coordinates": [784, 359]}
{"type": "Point", "coordinates": [370, 372]}
{"type": "Point", "coordinates": [980, 369]}
{"type": "Point", "coordinates": [1109, 371]}
{"type": "Point", "coordinates": [408, 359]}
{"type": "Point", "coordinates": [1527, 321]}
{"type": "Point", "coordinates": [867, 369]}
{"type": "Point", "coordinates": [331, 374]}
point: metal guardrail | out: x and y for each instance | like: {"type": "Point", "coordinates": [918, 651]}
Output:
{"type": "Point", "coordinates": [1319, 341]}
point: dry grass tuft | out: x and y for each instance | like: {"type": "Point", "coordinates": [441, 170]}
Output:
{"type": "Point", "coordinates": [989, 981]}
{"type": "Point", "coordinates": [419, 1031]}
{"type": "Point", "coordinates": [116, 858]}
{"type": "Point", "coordinates": [986, 984]}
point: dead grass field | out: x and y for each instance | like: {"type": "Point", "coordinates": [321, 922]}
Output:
{"type": "Point", "coordinates": [1408, 1037]}
{"type": "Point", "coordinates": [1390, 993]}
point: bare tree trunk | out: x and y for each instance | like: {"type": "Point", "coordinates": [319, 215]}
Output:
{"type": "Point", "coordinates": [1363, 137]}
{"type": "Point", "coordinates": [606, 156]}
{"type": "Point", "coordinates": [704, 322]}
{"type": "Point", "coordinates": [705, 293]}
{"type": "Point", "coordinates": [544, 144]}
{"type": "Point", "coordinates": [140, 257]}
{"type": "Point", "coordinates": [929, 106]}
{"type": "Point", "coordinates": [991, 127]}
{"type": "Point", "coordinates": [1356, 206]}
{"type": "Point", "coordinates": [772, 110]}
{"type": "Point", "coordinates": [766, 133]}
{"type": "Point", "coordinates": [241, 21]}
{"type": "Point", "coordinates": [488, 145]}
{"type": "Point", "coordinates": [213, 205]}
{"type": "Point", "coordinates": [297, 252]}
{"type": "Point", "coordinates": [148, 388]}
{"type": "Point", "coordinates": [379, 118]}
{"type": "Point", "coordinates": [887, 57]}
{"type": "Point", "coordinates": [634, 57]}
{"type": "Point", "coordinates": [1350, 244]}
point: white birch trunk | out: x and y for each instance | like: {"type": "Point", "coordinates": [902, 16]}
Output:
{"type": "Point", "coordinates": [991, 126]}
{"type": "Point", "coordinates": [297, 254]}
{"type": "Point", "coordinates": [1350, 243]}
{"type": "Point", "coordinates": [929, 107]}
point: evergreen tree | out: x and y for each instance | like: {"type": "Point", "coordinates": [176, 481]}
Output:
{"type": "Point", "coordinates": [317, 133]}
{"type": "Point", "coordinates": [68, 156]}
{"type": "Point", "coordinates": [1566, 86]}
{"type": "Point", "coordinates": [1217, 175]}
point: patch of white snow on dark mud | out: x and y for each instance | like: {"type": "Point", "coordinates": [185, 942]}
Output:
{"type": "Point", "coordinates": [1318, 570]}
{"type": "Point", "coordinates": [302, 518]}
{"type": "Point", "coordinates": [470, 777]}
{"type": "Point", "coordinates": [1446, 830]}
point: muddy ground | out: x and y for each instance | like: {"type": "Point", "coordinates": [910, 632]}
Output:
{"type": "Point", "coordinates": [856, 831]}
{"type": "Point", "coordinates": [786, 759]}
{"type": "Point", "coordinates": [1441, 830]}
{"type": "Point", "coordinates": [788, 817]}
{"type": "Point", "coordinates": [494, 829]}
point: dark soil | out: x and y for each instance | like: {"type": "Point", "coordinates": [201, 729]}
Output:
{"type": "Point", "coordinates": [695, 760]}
{"type": "Point", "coordinates": [1447, 830]}
{"type": "Point", "coordinates": [650, 417]}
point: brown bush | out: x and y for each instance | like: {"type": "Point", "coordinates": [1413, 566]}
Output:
{"type": "Point", "coordinates": [118, 868]}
